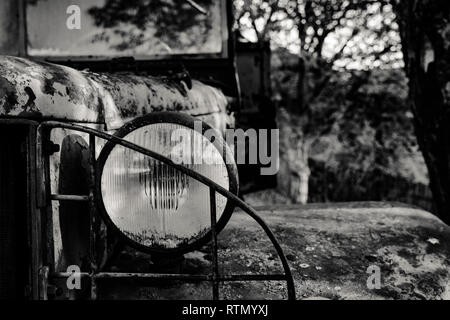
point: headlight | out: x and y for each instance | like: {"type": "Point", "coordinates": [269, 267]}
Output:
{"type": "Point", "coordinates": [153, 206]}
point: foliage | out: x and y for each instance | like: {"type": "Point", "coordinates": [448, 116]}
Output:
{"type": "Point", "coordinates": [146, 27]}
{"type": "Point", "coordinates": [260, 16]}
{"type": "Point", "coordinates": [346, 33]}
{"type": "Point", "coordinates": [169, 19]}
{"type": "Point", "coordinates": [336, 65]}
{"type": "Point", "coordinates": [360, 120]}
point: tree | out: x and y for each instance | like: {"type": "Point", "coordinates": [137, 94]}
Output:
{"type": "Point", "coordinates": [259, 16]}
{"type": "Point", "coordinates": [425, 32]}
{"type": "Point", "coordinates": [326, 35]}
{"type": "Point", "coordinates": [343, 33]}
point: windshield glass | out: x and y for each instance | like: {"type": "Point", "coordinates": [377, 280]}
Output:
{"type": "Point", "coordinates": [124, 27]}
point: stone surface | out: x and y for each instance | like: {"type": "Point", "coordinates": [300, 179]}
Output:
{"type": "Point", "coordinates": [331, 248]}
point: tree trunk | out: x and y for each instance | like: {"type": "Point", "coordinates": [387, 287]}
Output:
{"type": "Point", "coordinates": [425, 32]}
{"type": "Point", "coordinates": [301, 86]}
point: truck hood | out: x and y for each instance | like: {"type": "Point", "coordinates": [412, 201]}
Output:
{"type": "Point", "coordinates": [38, 90]}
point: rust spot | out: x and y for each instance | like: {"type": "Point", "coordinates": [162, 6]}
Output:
{"type": "Point", "coordinates": [31, 98]}
{"type": "Point", "coordinates": [8, 90]}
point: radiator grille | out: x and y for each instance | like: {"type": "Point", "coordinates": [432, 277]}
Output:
{"type": "Point", "coordinates": [13, 209]}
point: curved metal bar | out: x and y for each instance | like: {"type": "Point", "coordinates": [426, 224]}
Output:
{"type": "Point", "coordinates": [211, 184]}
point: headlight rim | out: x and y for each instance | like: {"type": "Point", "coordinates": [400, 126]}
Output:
{"type": "Point", "coordinates": [188, 122]}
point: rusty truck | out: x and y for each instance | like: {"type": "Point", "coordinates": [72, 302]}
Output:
{"type": "Point", "coordinates": [90, 93]}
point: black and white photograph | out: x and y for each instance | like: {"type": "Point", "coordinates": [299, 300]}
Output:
{"type": "Point", "coordinates": [223, 156]}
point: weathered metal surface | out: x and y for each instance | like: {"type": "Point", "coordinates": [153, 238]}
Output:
{"type": "Point", "coordinates": [330, 248]}
{"type": "Point", "coordinates": [38, 90]}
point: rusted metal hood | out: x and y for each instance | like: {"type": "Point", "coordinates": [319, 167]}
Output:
{"type": "Point", "coordinates": [38, 90]}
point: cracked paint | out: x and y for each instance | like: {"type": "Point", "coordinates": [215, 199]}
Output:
{"type": "Point", "coordinates": [38, 90]}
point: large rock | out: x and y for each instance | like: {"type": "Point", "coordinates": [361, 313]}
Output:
{"type": "Point", "coordinates": [293, 177]}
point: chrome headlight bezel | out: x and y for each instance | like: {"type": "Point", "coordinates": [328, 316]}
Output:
{"type": "Point", "coordinates": [188, 122]}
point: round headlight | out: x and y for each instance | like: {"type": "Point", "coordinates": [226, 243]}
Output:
{"type": "Point", "coordinates": [154, 207]}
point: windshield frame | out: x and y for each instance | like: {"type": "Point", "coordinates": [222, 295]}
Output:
{"type": "Point", "coordinates": [226, 31]}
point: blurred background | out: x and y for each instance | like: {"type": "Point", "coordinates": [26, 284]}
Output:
{"type": "Point", "coordinates": [360, 89]}
{"type": "Point", "coordinates": [332, 75]}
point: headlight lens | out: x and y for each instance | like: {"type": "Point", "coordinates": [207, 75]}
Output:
{"type": "Point", "coordinates": [154, 205]}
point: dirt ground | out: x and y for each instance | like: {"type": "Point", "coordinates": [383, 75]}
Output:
{"type": "Point", "coordinates": [330, 249]}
